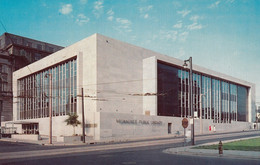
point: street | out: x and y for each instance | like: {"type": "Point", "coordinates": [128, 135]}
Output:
{"type": "Point", "coordinates": [138, 152]}
{"type": "Point", "coordinates": [136, 156]}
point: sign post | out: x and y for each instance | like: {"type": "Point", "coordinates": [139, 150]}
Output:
{"type": "Point", "coordinates": [185, 124]}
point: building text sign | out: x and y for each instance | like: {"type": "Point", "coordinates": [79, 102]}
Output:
{"type": "Point", "coordinates": [138, 122]}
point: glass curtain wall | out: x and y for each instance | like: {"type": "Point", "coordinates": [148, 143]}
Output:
{"type": "Point", "coordinates": [241, 103]}
{"type": "Point", "coordinates": [196, 93]}
{"type": "Point", "coordinates": [225, 113]}
{"type": "Point", "coordinates": [168, 91]}
{"type": "Point", "coordinates": [233, 102]}
{"type": "Point", "coordinates": [207, 111]}
{"type": "Point", "coordinates": [221, 101]}
{"type": "Point", "coordinates": [216, 100]}
{"type": "Point", "coordinates": [183, 92]}
{"type": "Point", "coordinates": [33, 92]}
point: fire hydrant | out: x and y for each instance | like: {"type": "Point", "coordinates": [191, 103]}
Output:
{"type": "Point", "coordinates": [220, 148]}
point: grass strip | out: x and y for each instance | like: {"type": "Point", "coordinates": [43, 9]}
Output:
{"type": "Point", "coordinates": [242, 145]}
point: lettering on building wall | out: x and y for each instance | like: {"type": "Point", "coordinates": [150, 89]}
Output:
{"type": "Point", "coordinates": [138, 122]}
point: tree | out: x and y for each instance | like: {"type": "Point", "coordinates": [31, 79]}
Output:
{"type": "Point", "coordinates": [73, 120]}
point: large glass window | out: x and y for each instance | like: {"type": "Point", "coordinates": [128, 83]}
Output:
{"type": "Point", "coordinates": [184, 92]}
{"type": "Point", "coordinates": [173, 91]}
{"type": "Point", "coordinates": [207, 112]}
{"type": "Point", "coordinates": [241, 103]}
{"type": "Point", "coordinates": [33, 92]}
{"type": "Point", "coordinates": [168, 80]}
{"type": "Point", "coordinates": [221, 100]}
{"type": "Point", "coordinates": [216, 100]}
{"type": "Point", "coordinates": [233, 102]}
{"type": "Point", "coordinates": [225, 102]}
{"type": "Point", "coordinates": [196, 92]}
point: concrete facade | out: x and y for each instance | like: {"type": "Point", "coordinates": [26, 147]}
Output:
{"type": "Point", "coordinates": [120, 87]}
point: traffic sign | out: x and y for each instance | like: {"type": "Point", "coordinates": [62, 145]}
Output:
{"type": "Point", "coordinates": [185, 123]}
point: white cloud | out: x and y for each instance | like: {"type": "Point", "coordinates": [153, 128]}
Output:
{"type": "Point", "coordinates": [98, 8]}
{"type": "Point", "coordinates": [194, 18]}
{"type": "Point", "coordinates": [124, 25]}
{"type": "Point", "coordinates": [123, 21]}
{"type": "Point", "coordinates": [83, 2]}
{"type": "Point", "coordinates": [183, 36]}
{"type": "Point", "coordinates": [82, 19]}
{"type": "Point", "coordinates": [178, 25]}
{"type": "Point", "coordinates": [184, 12]}
{"type": "Point", "coordinates": [110, 12]}
{"type": "Point", "coordinates": [214, 5]}
{"type": "Point", "coordinates": [66, 9]}
{"type": "Point", "coordinates": [110, 15]}
{"type": "Point", "coordinates": [194, 26]}
{"type": "Point", "coordinates": [168, 35]}
{"type": "Point", "coordinates": [98, 5]}
{"type": "Point", "coordinates": [144, 11]}
{"type": "Point", "coordinates": [110, 18]}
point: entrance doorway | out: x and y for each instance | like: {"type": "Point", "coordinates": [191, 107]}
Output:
{"type": "Point", "coordinates": [31, 128]}
{"type": "Point", "coordinates": [169, 128]}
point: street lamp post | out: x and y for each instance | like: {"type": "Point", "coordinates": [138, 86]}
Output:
{"type": "Point", "coordinates": [191, 98]}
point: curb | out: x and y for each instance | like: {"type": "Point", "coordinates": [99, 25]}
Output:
{"type": "Point", "coordinates": [189, 151]}
{"type": "Point", "coordinates": [207, 154]}
{"type": "Point", "coordinates": [111, 141]}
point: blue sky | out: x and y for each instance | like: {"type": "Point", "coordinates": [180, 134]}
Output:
{"type": "Point", "coordinates": [221, 35]}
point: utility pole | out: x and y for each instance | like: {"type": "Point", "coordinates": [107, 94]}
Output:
{"type": "Point", "coordinates": [191, 102]}
{"type": "Point", "coordinates": [191, 98]}
{"type": "Point", "coordinates": [83, 117]}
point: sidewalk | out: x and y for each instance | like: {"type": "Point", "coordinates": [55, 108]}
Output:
{"type": "Point", "coordinates": [45, 141]}
{"type": "Point", "coordinates": [214, 153]}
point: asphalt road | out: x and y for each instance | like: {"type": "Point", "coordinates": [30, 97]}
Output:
{"type": "Point", "coordinates": [137, 156]}
{"type": "Point", "coordinates": [140, 152]}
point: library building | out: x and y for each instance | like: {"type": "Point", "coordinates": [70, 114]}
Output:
{"type": "Point", "coordinates": [126, 91]}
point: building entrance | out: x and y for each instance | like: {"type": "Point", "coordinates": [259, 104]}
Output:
{"type": "Point", "coordinates": [31, 128]}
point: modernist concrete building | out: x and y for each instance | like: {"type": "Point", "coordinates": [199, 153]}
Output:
{"type": "Point", "coordinates": [129, 92]}
{"type": "Point", "coordinates": [15, 53]}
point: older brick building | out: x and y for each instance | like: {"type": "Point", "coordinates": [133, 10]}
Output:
{"type": "Point", "coordinates": [15, 53]}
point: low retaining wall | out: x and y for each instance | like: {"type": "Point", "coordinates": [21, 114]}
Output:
{"type": "Point", "coordinates": [26, 137]}
{"type": "Point", "coordinates": [68, 139]}
{"type": "Point", "coordinates": [114, 126]}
